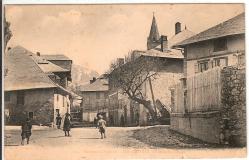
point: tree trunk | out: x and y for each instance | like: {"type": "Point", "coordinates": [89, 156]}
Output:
{"type": "Point", "coordinates": [148, 106]}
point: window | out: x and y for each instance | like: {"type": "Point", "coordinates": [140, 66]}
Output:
{"type": "Point", "coordinates": [31, 115]}
{"type": "Point", "coordinates": [20, 97]}
{"type": "Point", "coordinates": [241, 60]}
{"type": "Point", "coordinates": [6, 96]}
{"type": "Point", "coordinates": [87, 100]}
{"type": "Point", "coordinates": [57, 111]}
{"type": "Point", "coordinates": [222, 62]}
{"type": "Point", "coordinates": [97, 95]}
{"type": "Point", "coordinates": [203, 65]}
{"type": "Point", "coordinates": [220, 44]}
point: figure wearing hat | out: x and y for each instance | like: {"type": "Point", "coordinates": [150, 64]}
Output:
{"type": "Point", "coordinates": [102, 126]}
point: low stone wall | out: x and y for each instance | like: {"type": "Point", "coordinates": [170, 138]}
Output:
{"type": "Point", "coordinates": [204, 126]}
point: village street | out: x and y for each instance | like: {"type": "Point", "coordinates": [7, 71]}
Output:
{"type": "Point", "coordinates": [47, 143]}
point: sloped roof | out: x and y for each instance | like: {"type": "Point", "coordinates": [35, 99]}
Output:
{"type": "Point", "coordinates": [47, 66]}
{"type": "Point", "coordinates": [233, 26]}
{"type": "Point", "coordinates": [98, 85]}
{"type": "Point", "coordinates": [23, 72]}
{"type": "Point", "coordinates": [172, 53]}
{"type": "Point", "coordinates": [58, 57]}
{"type": "Point", "coordinates": [184, 34]}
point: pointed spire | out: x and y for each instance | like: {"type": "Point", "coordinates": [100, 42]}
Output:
{"type": "Point", "coordinates": [154, 34]}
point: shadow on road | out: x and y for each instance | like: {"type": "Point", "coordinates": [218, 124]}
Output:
{"type": "Point", "coordinates": [12, 145]}
{"type": "Point", "coordinates": [57, 137]}
{"type": "Point", "coordinates": [90, 138]}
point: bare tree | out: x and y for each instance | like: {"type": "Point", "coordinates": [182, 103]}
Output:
{"type": "Point", "coordinates": [7, 32]}
{"type": "Point", "coordinates": [131, 77]}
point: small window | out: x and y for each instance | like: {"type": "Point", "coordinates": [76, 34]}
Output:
{"type": "Point", "coordinates": [20, 97]}
{"type": "Point", "coordinates": [203, 66]}
{"type": "Point", "coordinates": [222, 62]}
{"type": "Point", "coordinates": [31, 115]}
{"type": "Point", "coordinates": [57, 97]}
{"type": "Point", "coordinates": [220, 44]}
{"type": "Point", "coordinates": [87, 100]}
{"type": "Point", "coordinates": [57, 111]}
{"type": "Point", "coordinates": [97, 95]}
{"type": "Point", "coordinates": [6, 96]}
{"type": "Point", "coordinates": [241, 60]}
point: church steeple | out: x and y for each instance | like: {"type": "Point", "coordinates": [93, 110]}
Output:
{"type": "Point", "coordinates": [154, 34]}
{"type": "Point", "coordinates": [154, 37]}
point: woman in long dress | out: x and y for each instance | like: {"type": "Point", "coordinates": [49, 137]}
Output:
{"type": "Point", "coordinates": [67, 125]}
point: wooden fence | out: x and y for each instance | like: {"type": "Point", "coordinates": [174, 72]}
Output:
{"type": "Point", "coordinates": [201, 93]}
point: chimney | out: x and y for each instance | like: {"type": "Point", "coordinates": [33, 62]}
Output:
{"type": "Point", "coordinates": [38, 53]}
{"type": "Point", "coordinates": [93, 80]}
{"type": "Point", "coordinates": [177, 27]}
{"type": "Point", "coordinates": [164, 43]}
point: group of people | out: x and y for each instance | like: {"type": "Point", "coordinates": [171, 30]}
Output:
{"type": "Point", "coordinates": [27, 126]}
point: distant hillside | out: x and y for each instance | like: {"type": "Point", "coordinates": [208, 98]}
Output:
{"type": "Point", "coordinates": [82, 75]}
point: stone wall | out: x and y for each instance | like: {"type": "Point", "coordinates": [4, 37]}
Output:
{"type": "Point", "coordinates": [233, 110]}
{"type": "Point", "coordinates": [204, 126]}
{"type": "Point", "coordinates": [38, 101]}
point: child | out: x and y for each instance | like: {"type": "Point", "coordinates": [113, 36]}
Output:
{"type": "Point", "coordinates": [26, 131]}
{"type": "Point", "coordinates": [102, 126]}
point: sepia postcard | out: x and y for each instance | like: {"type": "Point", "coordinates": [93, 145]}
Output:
{"type": "Point", "coordinates": [124, 81]}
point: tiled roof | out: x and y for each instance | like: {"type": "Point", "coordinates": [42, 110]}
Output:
{"type": "Point", "coordinates": [98, 85]}
{"type": "Point", "coordinates": [184, 34]}
{"type": "Point", "coordinates": [172, 53]}
{"type": "Point", "coordinates": [23, 72]}
{"type": "Point", "coordinates": [233, 26]}
{"type": "Point", "coordinates": [47, 66]}
{"type": "Point", "coordinates": [58, 57]}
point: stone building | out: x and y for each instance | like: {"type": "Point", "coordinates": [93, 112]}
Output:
{"type": "Point", "coordinates": [95, 98]}
{"type": "Point", "coordinates": [32, 88]}
{"type": "Point", "coordinates": [209, 103]}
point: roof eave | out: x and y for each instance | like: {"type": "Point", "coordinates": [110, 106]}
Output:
{"type": "Point", "coordinates": [181, 45]}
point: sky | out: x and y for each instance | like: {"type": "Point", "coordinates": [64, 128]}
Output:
{"type": "Point", "coordinates": [94, 35]}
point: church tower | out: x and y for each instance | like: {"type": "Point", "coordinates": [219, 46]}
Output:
{"type": "Point", "coordinates": [154, 38]}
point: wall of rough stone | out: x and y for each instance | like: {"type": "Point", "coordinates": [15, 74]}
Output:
{"type": "Point", "coordinates": [233, 111]}
{"type": "Point", "coordinates": [38, 101]}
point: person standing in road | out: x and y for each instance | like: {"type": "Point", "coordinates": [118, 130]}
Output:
{"type": "Point", "coordinates": [67, 125]}
{"type": "Point", "coordinates": [102, 126]}
{"type": "Point", "coordinates": [95, 122]}
{"type": "Point", "coordinates": [58, 121]}
{"type": "Point", "coordinates": [26, 131]}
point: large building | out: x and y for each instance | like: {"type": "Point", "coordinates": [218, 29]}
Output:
{"type": "Point", "coordinates": [34, 88]}
{"type": "Point", "coordinates": [94, 97]}
{"type": "Point", "coordinates": [209, 104]}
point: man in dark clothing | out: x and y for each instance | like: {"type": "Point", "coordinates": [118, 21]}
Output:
{"type": "Point", "coordinates": [26, 131]}
{"type": "Point", "coordinates": [67, 125]}
{"type": "Point", "coordinates": [58, 121]}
